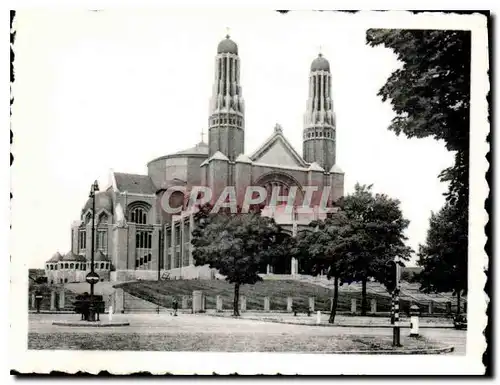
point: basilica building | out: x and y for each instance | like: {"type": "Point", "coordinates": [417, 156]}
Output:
{"type": "Point", "coordinates": [136, 239]}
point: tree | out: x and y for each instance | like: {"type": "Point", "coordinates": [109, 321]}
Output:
{"type": "Point", "coordinates": [372, 239]}
{"type": "Point", "coordinates": [237, 245]}
{"type": "Point", "coordinates": [430, 95]}
{"type": "Point", "coordinates": [321, 247]}
{"type": "Point", "coordinates": [444, 256]}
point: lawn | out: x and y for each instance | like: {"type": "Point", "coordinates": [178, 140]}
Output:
{"type": "Point", "coordinates": [163, 292]}
{"type": "Point", "coordinates": [218, 342]}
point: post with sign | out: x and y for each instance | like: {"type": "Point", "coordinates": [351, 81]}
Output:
{"type": "Point", "coordinates": [92, 277]}
{"type": "Point", "coordinates": [396, 331]}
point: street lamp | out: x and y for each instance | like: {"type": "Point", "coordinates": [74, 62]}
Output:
{"type": "Point", "coordinates": [396, 330]}
{"type": "Point", "coordinates": [92, 277]}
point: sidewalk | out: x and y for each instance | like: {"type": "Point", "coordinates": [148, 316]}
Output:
{"type": "Point", "coordinates": [340, 320]}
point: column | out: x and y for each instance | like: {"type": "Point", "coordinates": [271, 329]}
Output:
{"type": "Point", "coordinates": [172, 246]}
{"type": "Point", "coordinates": [219, 306]}
{"type": "Point", "coordinates": [33, 299]}
{"type": "Point", "coordinates": [197, 301]}
{"type": "Point", "coordinates": [119, 300]}
{"type": "Point", "coordinates": [191, 228]}
{"type": "Point", "coordinates": [431, 307]}
{"type": "Point", "coordinates": [353, 305]}
{"type": "Point", "coordinates": [289, 304]}
{"type": "Point", "coordinates": [294, 266]}
{"type": "Point", "coordinates": [53, 300]}
{"type": "Point", "coordinates": [184, 302]}
{"type": "Point", "coordinates": [61, 299]}
{"type": "Point", "coordinates": [243, 303]}
{"type": "Point", "coordinates": [267, 304]}
{"type": "Point", "coordinates": [311, 303]}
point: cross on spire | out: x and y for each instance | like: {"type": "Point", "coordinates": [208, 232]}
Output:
{"type": "Point", "coordinates": [227, 32]}
{"type": "Point", "coordinates": [320, 51]}
{"type": "Point", "coordinates": [202, 134]}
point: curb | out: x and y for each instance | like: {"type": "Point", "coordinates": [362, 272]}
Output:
{"type": "Point", "coordinates": [383, 326]}
{"type": "Point", "coordinates": [91, 325]}
{"type": "Point", "coordinates": [446, 349]}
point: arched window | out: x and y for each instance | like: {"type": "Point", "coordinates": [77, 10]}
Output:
{"type": "Point", "coordinates": [66, 265]}
{"type": "Point", "coordinates": [102, 265]}
{"type": "Point", "coordinates": [138, 215]}
{"type": "Point", "coordinates": [71, 265]}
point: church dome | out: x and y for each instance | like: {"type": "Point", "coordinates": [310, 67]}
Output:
{"type": "Point", "coordinates": [227, 46]}
{"type": "Point", "coordinates": [200, 149]}
{"type": "Point", "coordinates": [102, 201]}
{"type": "Point", "coordinates": [320, 64]}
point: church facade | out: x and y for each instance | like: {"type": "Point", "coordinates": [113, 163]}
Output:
{"type": "Point", "coordinates": [135, 238]}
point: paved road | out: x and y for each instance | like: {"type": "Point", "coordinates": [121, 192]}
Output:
{"type": "Point", "coordinates": [165, 323]}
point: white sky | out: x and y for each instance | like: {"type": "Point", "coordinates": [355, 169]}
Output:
{"type": "Point", "coordinates": [114, 89]}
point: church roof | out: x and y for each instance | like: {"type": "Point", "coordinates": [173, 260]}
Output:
{"type": "Point", "coordinates": [227, 46]}
{"type": "Point", "coordinates": [134, 183]}
{"type": "Point", "coordinates": [99, 256]}
{"type": "Point", "coordinates": [218, 156]}
{"type": "Point", "coordinates": [102, 201]}
{"type": "Point", "coordinates": [315, 167]}
{"type": "Point", "coordinates": [277, 138]}
{"type": "Point", "coordinates": [242, 158]}
{"type": "Point", "coordinates": [72, 257]}
{"type": "Point", "coordinates": [336, 170]}
{"type": "Point", "coordinates": [320, 64]}
{"type": "Point", "coordinates": [200, 149]}
{"type": "Point", "coordinates": [56, 257]}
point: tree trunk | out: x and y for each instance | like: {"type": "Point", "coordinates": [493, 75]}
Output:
{"type": "Point", "coordinates": [335, 300]}
{"type": "Point", "coordinates": [363, 296]}
{"type": "Point", "coordinates": [458, 302]}
{"type": "Point", "coordinates": [236, 310]}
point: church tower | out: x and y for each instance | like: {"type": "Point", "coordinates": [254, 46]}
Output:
{"type": "Point", "coordinates": [319, 119]}
{"type": "Point", "coordinates": [226, 123]}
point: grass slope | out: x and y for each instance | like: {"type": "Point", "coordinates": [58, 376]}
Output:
{"type": "Point", "coordinates": [163, 292]}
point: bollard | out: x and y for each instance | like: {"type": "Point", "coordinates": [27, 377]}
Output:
{"type": "Point", "coordinates": [318, 317]}
{"type": "Point", "coordinates": [373, 305]}
{"type": "Point", "coordinates": [110, 313]}
{"type": "Point", "coordinates": [267, 304]}
{"type": "Point", "coordinates": [414, 313]}
{"type": "Point", "coordinates": [353, 305]}
{"type": "Point", "coordinates": [431, 308]}
{"type": "Point", "coordinates": [289, 304]}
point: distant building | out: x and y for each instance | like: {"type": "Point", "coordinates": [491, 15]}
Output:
{"type": "Point", "coordinates": [135, 237]}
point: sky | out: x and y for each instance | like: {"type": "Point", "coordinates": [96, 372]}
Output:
{"type": "Point", "coordinates": [105, 90]}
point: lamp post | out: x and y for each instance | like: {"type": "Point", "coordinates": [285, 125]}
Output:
{"type": "Point", "coordinates": [396, 330]}
{"type": "Point", "coordinates": [92, 277]}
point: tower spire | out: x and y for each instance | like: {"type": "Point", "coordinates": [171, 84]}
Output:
{"type": "Point", "coordinates": [319, 119]}
{"type": "Point", "coordinates": [226, 122]}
